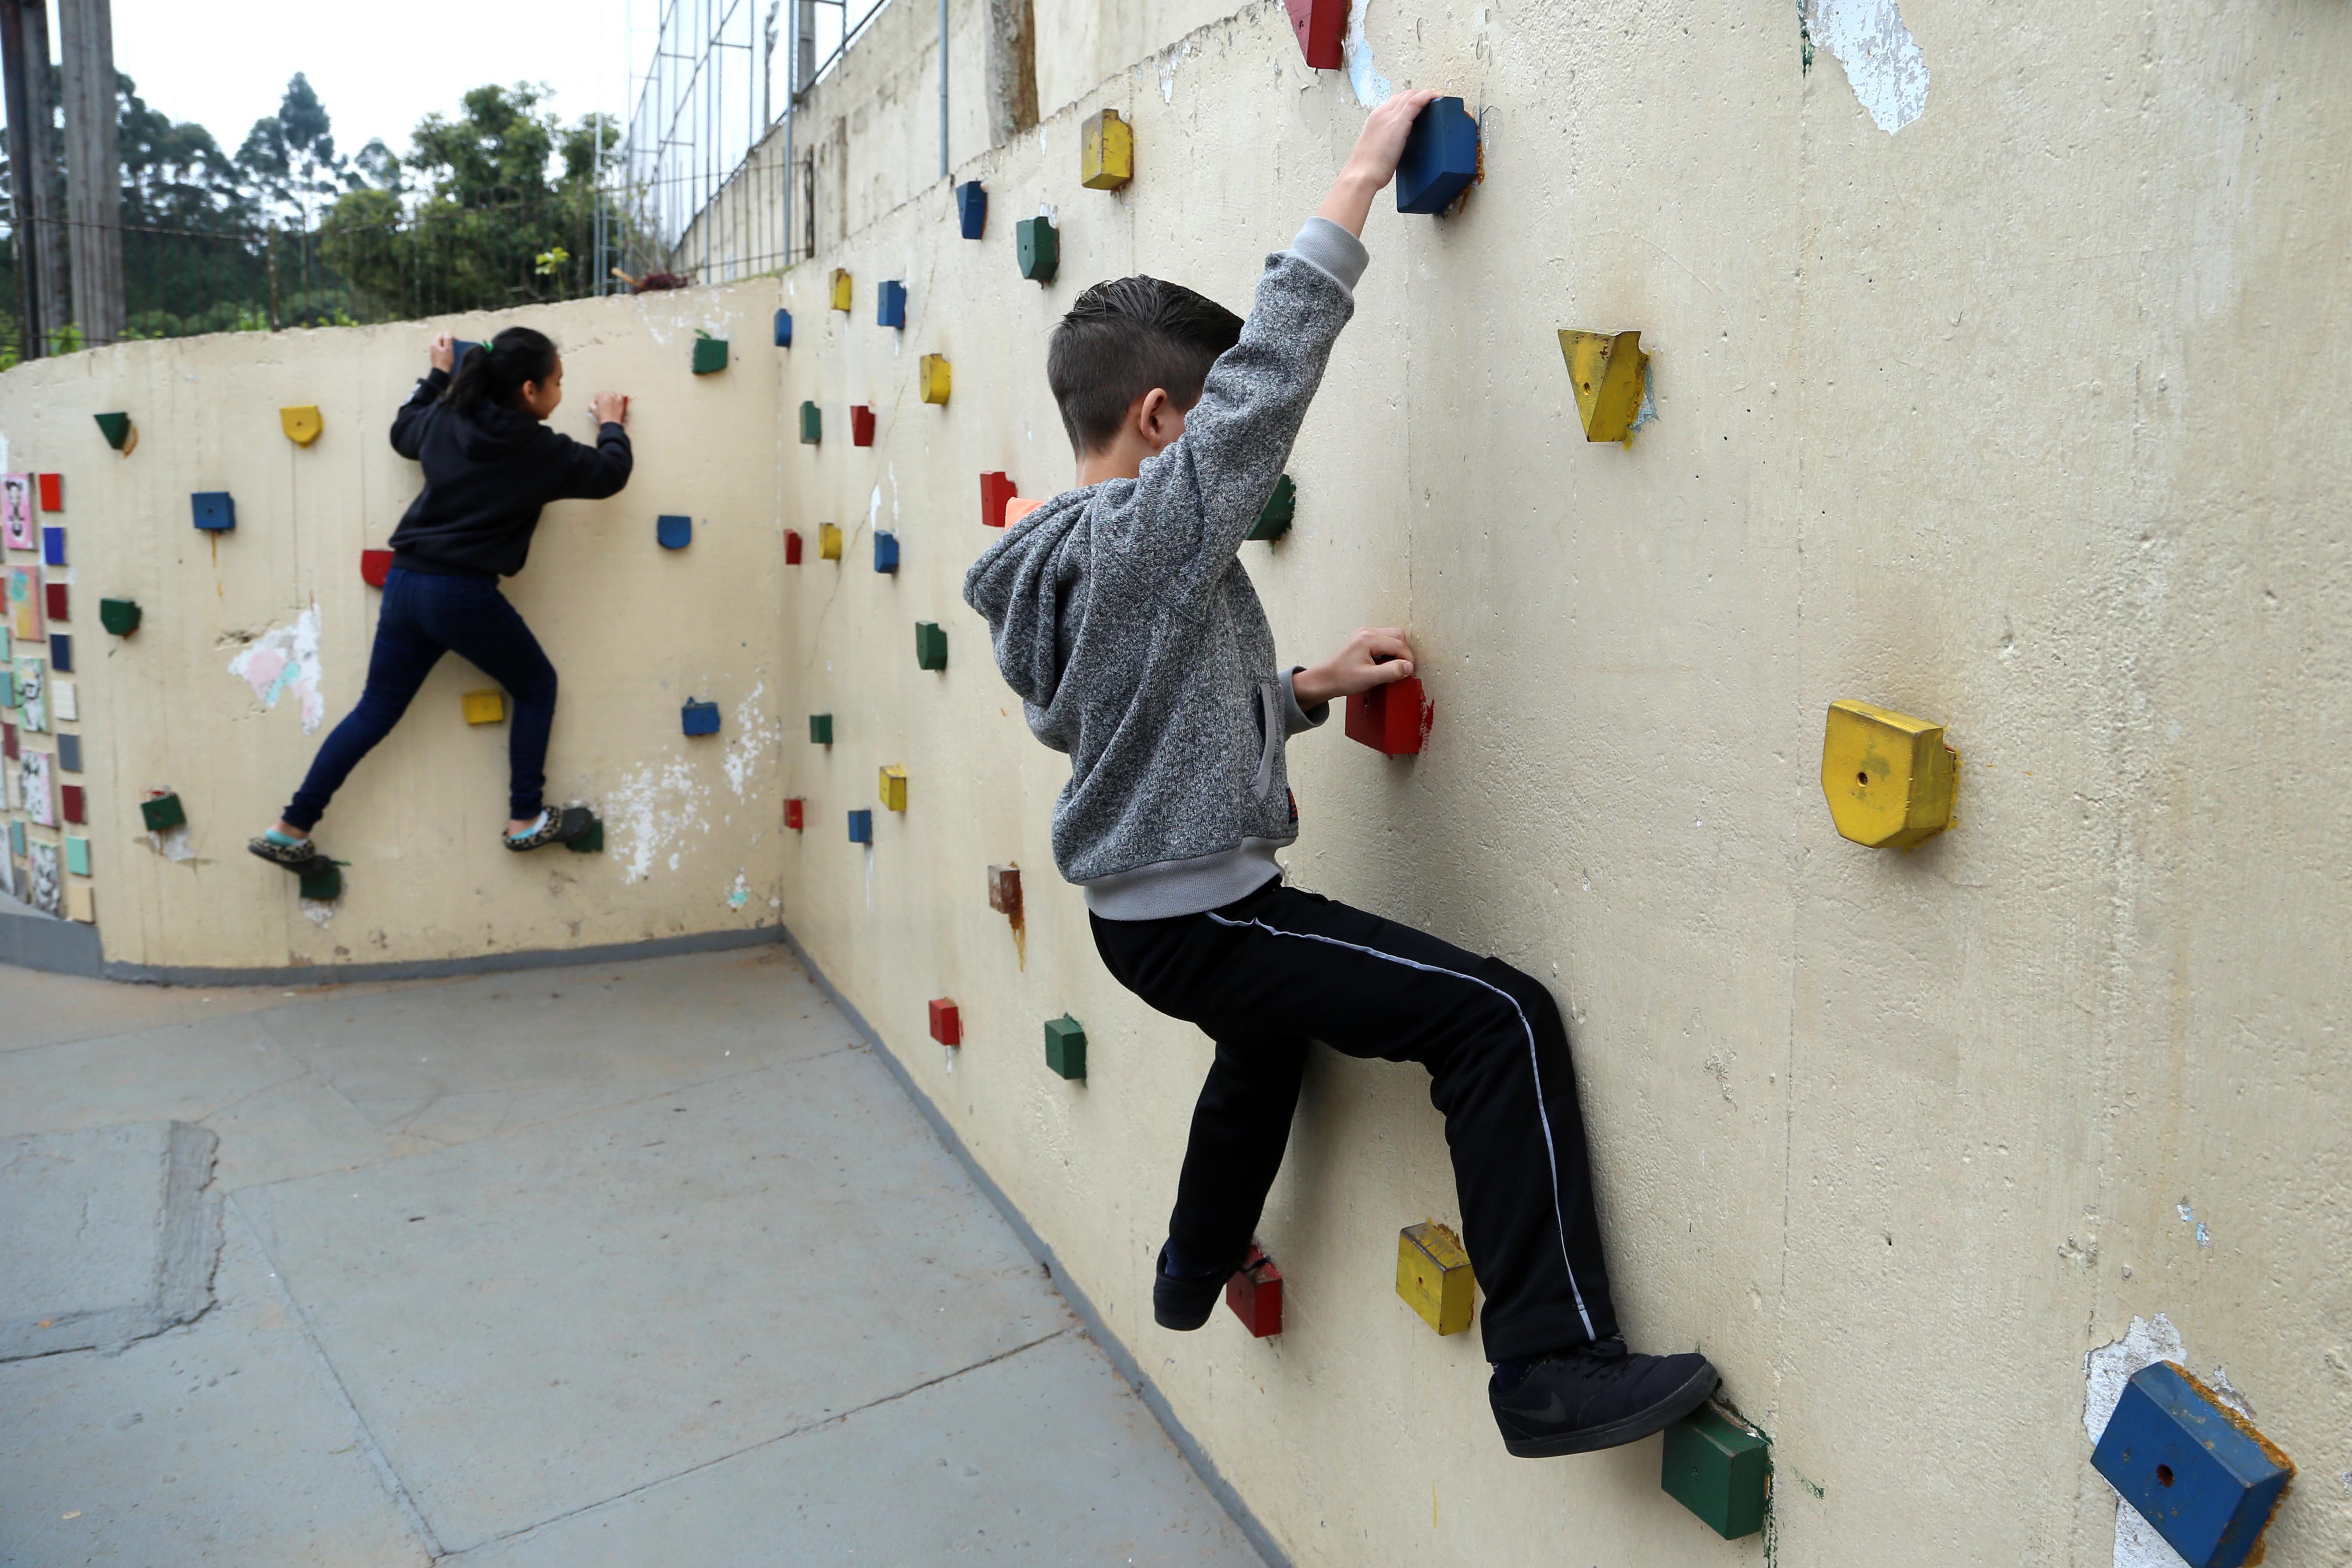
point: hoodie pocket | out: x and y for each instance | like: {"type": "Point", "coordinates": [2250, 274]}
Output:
{"type": "Point", "coordinates": [1269, 724]}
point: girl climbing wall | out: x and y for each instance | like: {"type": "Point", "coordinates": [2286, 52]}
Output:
{"type": "Point", "coordinates": [491, 463]}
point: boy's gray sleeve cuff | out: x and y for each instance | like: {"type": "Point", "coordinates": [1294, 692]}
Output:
{"type": "Point", "coordinates": [1294, 718]}
{"type": "Point", "coordinates": [1333, 251]}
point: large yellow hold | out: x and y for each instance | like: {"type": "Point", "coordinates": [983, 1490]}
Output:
{"type": "Point", "coordinates": [485, 707]}
{"type": "Point", "coordinates": [1889, 777]}
{"type": "Point", "coordinates": [935, 375]}
{"type": "Point", "coordinates": [1610, 374]}
{"type": "Point", "coordinates": [1434, 1277]}
{"type": "Point", "coordinates": [301, 425]}
{"type": "Point", "coordinates": [1107, 154]}
{"type": "Point", "coordinates": [894, 787]}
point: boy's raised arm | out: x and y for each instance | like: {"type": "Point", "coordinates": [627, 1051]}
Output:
{"type": "Point", "coordinates": [1194, 502]}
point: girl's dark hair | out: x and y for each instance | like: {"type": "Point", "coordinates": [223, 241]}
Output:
{"type": "Point", "coordinates": [494, 371]}
{"type": "Point", "coordinates": [1124, 337]}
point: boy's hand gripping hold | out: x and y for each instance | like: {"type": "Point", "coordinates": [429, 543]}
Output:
{"type": "Point", "coordinates": [1375, 656]}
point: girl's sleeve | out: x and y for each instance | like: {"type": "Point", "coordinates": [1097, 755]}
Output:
{"type": "Point", "coordinates": [591, 473]}
{"type": "Point", "coordinates": [408, 425]}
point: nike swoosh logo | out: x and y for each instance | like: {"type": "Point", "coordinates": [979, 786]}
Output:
{"type": "Point", "coordinates": [1553, 1410]}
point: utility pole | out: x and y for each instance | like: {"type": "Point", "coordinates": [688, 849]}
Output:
{"type": "Point", "coordinates": [93, 168]}
{"type": "Point", "coordinates": [42, 298]}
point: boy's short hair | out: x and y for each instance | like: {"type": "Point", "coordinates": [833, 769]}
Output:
{"type": "Point", "coordinates": [1122, 338]}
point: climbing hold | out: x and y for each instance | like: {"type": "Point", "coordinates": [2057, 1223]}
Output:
{"type": "Point", "coordinates": [1254, 1293]}
{"type": "Point", "coordinates": [947, 1023]}
{"type": "Point", "coordinates": [840, 285]}
{"type": "Point", "coordinates": [161, 812]}
{"type": "Point", "coordinates": [120, 616]}
{"type": "Point", "coordinates": [891, 304]}
{"type": "Point", "coordinates": [784, 329]}
{"type": "Point", "coordinates": [1434, 1277]}
{"type": "Point", "coordinates": [69, 754]}
{"type": "Point", "coordinates": [931, 646]}
{"type": "Point", "coordinates": [53, 546]}
{"type": "Point", "coordinates": [932, 376]}
{"type": "Point", "coordinates": [861, 425]}
{"type": "Point", "coordinates": [78, 855]}
{"type": "Point", "coordinates": [1720, 1467]}
{"type": "Point", "coordinates": [1392, 719]}
{"type": "Point", "coordinates": [322, 880]}
{"type": "Point", "coordinates": [811, 425]}
{"type": "Point", "coordinates": [81, 903]}
{"type": "Point", "coordinates": [373, 565]}
{"type": "Point", "coordinates": [1611, 375]}
{"type": "Point", "coordinates": [673, 532]}
{"type": "Point", "coordinates": [53, 492]}
{"type": "Point", "coordinates": [119, 431]}
{"type": "Point", "coordinates": [1889, 777]}
{"type": "Point", "coordinates": [215, 511]}
{"type": "Point", "coordinates": [885, 551]}
{"type": "Point", "coordinates": [1441, 157]}
{"type": "Point", "coordinates": [458, 349]}
{"type": "Point", "coordinates": [485, 707]}
{"type": "Point", "coordinates": [1004, 890]}
{"type": "Point", "coordinates": [700, 718]}
{"type": "Point", "coordinates": [1038, 244]}
{"type": "Point", "coordinates": [972, 208]}
{"type": "Point", "coordinates": [2195, 1469]}
{"type": "Point", "coordinates": [1321, 25]}
{"type": "Point", "coordinates": [1273, 518]}
{"type": "Point", "coordinates": [1066, 1048]}
{"type": "Point", "coordinates": [894, 787]}
{"type": "Point", "coordinates": [791, 547]}
{"type": "Point", "coordinates": [1015, 510]}
{"type": "Point", "coordinates": [1107, 152]}
{"type": "Point", "coordinates": [820, 729]}
{"type": "Point", "coordinates": [795, 814]}
{"type": "Point", "coordinates": [60, 653]}
{"type": "Point", "coordinates": [74, 804]}
{"type": "Point", "coordinates": [828, 541]}
{"type": "Point", "coordinates": [710, 355]}
{"type": "Point", "coordinates": [591, 840]}
{"type": "Point", "coordinates": [995, 490]}
{"type": "Point", "coordinates": [54, 597]}
{"type": "Point", "coordinates": [861, 827]}
{"type": "Point", "coordinates": [301, 425]}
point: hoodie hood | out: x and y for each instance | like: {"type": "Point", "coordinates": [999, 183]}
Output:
{"type": "Point", "coordinates": [493, 432]}
{"type": "Point", "coordinates": [1028, 587]}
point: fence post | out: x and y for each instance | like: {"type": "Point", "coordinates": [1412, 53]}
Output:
{"type": "Point", "coordinates": [269, 245]}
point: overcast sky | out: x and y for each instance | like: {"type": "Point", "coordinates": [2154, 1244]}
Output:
{"type": "Point", "coordinates": [377, 67]}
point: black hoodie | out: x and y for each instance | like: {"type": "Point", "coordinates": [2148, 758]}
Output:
{"type": "Point", "coordinates": [486, 477]}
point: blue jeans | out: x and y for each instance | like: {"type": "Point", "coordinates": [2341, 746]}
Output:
{"type": "Point", "coordinates": [424, 617]}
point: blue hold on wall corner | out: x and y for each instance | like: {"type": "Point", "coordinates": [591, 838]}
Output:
{"type": "Point", "coordinates": [886, 552]}
{"type": "Point", "coordinates": [784, 329]}
{"type": "Point", "coordinates": [1441, 158]}
{"type": "Point", "coordinates": [673, 532]}
{"type": "Point", "coordinates": [972, 208]}
{"type": "Point", "coordinates": [2197, 1471]}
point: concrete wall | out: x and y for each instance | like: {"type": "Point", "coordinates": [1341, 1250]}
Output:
{"type": "Point", "coordinates": [2029, 419]}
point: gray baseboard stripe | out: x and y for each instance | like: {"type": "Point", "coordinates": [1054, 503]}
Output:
{"type": "Point", "coordinates": [44, 949]}
{"type": "Point", "coordinates": [1120, 1357]}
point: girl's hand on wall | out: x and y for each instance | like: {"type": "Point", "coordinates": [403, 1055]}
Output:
{"type": "Point", "coordinates": [1373, 163]}
{"type": "Point", "coordinates": [444, 351]}
{"type": "Point", "coordinates": [610, 408]}
{"type": "Point", "coordinates": [1375, 656]}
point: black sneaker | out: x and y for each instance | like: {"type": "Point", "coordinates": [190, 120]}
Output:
{"type": "Point", "coordinates": [1597, 1395]}
{"type": "Point", "coordinates": [1183, 1302]}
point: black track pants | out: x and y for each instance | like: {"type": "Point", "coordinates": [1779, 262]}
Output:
{"type": "Point", "coordinates": [1270, 972]}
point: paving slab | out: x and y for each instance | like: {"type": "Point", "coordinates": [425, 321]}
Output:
{"type": "Point", "coordinates": [453, 1060]}
{"type": "Point", "coordinates": [43, 1009]}
{"type": "Point", "coordinates": [222, 1442]}
{"type": "Point", "coordinates": [1043, 1457]}
{"type": "Point", "coordinates": [544, 1321]}
{"type": "Point", "coordinates": [109, 1236]}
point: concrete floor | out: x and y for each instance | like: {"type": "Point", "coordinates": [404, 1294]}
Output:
{"type": "Point", "coordinates": [617, 1265]}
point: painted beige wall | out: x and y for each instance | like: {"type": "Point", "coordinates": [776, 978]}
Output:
{"type": "Point", "coordinates": [633, 629]}
{"type": "Point", "coordinates": [2030, 419]}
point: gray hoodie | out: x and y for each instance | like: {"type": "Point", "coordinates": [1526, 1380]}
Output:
{"type": "Point", "coordinates": [1122, 617]}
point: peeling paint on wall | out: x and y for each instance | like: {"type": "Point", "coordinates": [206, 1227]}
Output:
{"type": "Point", "coordinates": [1881, 59]}
{"type": "Point", "coordinates": [1371, 87]}
{"type": "Point", "coordinates": [752, 735]}
{"type": "Point", "coordinates": [652, 810]}
{"type": "Point", "coordinates": [2104, 1372]}
{"type": "Point", "coordinates": [284, 660]}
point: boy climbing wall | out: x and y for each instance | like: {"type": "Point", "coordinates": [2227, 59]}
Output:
{"type": "Point", "coordinates": [1122, 617]}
